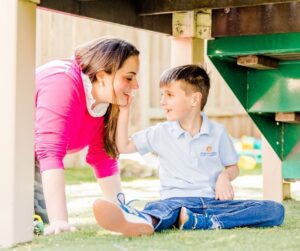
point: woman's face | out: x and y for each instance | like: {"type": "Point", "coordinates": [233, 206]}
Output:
{"type": "Point", "coordinates": [123, 82]}
{"type": "Point", "coordinates": [126, 80]}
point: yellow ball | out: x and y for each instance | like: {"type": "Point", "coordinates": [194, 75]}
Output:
{"type": "Point", "coordinates": [247, 162]}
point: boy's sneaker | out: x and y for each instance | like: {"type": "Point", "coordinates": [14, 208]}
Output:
{"type": "Point", "coordinates": [187, 219]}
{"type": "Point", "coordinates": [121, 218]}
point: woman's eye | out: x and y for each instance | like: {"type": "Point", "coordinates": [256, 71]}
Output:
{"type": "Point", "coordinates": [129, 77]}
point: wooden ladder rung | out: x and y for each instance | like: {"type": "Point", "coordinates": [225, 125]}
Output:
{"type": "Point", "coordinates": [257, 62]}
{"type": "Point", "coordinates": [288, 117]}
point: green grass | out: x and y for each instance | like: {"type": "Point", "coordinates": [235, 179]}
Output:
{"type": "Point", "coordinates": [77, 175]}
{"type": "Point", "coordinates": [91, 237]}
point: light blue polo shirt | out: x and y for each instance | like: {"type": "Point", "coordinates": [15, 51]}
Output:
{"type": "Point", "coordinates": [189, 166]}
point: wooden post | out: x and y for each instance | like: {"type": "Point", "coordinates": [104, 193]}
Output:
{"type": "Point", "coordinates": [190, 29]}
{"type": "Point", "coordinates": [187, 51]}
{"type": "Point", "coordinates": [286, 190]}
{"type": "Point", "coordinates": [272, 173]}
{"type": "Point", "coordinates": [17, 66]}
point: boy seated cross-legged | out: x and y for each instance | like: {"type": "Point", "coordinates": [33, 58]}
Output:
{"type": "Point", "coordinates": [197, 164]}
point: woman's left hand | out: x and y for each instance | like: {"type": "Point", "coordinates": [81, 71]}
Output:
{"type": "Point", "coordinates": [129, 101]}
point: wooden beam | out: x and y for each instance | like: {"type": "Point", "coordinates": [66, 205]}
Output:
{"type": "Point", "coordinates": [68, 6]}
{"type": "Point", "coordinates": [153, 7]}
{"type": "Point", "coordinates": [288, 117]}
{"type": "Point", "coordinates": [257, 62]}
{"type": "Point", "coordinates": [286, 190]}
{"type": "Point", "coordinates": [266, 19]}
{"type": "Point", "coordinates": [158, 23]}
{"type": "Point", "coordinates": [117, 11]}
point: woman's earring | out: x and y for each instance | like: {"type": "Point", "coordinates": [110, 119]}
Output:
{"type": "Point", "coordinates": [101, 83]}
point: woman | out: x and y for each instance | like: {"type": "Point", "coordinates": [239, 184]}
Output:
{"type": "Point", "coordinates": [77, 106]}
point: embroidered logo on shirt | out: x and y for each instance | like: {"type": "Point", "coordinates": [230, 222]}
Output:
{"type": "Point", "coordinates": [209, 152]}
{"type": "Point", "coordinates": [209, 149]}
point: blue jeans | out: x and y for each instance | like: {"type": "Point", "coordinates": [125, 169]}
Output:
{"type": "Point", "coordinates": [212, 213]}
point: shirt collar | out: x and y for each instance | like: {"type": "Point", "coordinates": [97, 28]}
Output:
{"type": "Point", "coordinates": [178, 129]}
{"type": "Point", "coordinates": [205, 127]}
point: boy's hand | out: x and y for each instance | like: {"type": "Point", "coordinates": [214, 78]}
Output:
{"type": "Point", "coordinates": [224, 189]}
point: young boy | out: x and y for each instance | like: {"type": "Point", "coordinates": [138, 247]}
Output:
{"type": "Point", "coordinates": [197, 164]}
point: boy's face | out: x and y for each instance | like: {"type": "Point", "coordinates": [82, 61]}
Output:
{"type": "Point", "coordinates": [176, 103]}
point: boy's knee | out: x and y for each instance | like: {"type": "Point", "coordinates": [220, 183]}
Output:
{"type": "Point", "coordinates": [277, 212]}
{"type": "Point", "coordinates": [280, 209]}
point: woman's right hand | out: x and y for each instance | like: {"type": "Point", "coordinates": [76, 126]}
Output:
{"type": "Point", "coordinates": [57, 227]}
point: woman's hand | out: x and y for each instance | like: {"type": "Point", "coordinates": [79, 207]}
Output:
{"type": "Point", "coordinates": [224, 189]}
{"type": "Point", "coordinates": [123, 142]}
{"type": "Point", "coordinates": [57, 227]}
{"type": "Point", "coordinates": [129, 101]}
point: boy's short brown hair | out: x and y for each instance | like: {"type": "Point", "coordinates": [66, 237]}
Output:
{"type": "Point", "coordinates": [194, 77]}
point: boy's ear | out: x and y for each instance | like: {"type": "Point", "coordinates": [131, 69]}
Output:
{"type": "Point", "coordinates": [196, 98]}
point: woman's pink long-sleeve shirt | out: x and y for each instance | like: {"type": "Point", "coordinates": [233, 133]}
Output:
{"type": "Point", "coordinates": [63, 123]}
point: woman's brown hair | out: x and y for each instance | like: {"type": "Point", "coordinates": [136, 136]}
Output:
{"type": "Point", "coordinates": [105, 54]}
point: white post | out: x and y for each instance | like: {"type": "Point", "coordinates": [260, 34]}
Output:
{"type": "Point", "coordinates": [187, 51]}
{"type": "Point", "coordinates": [17, 67]}
{"type": "Point", "coordinates": [272, 173]}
